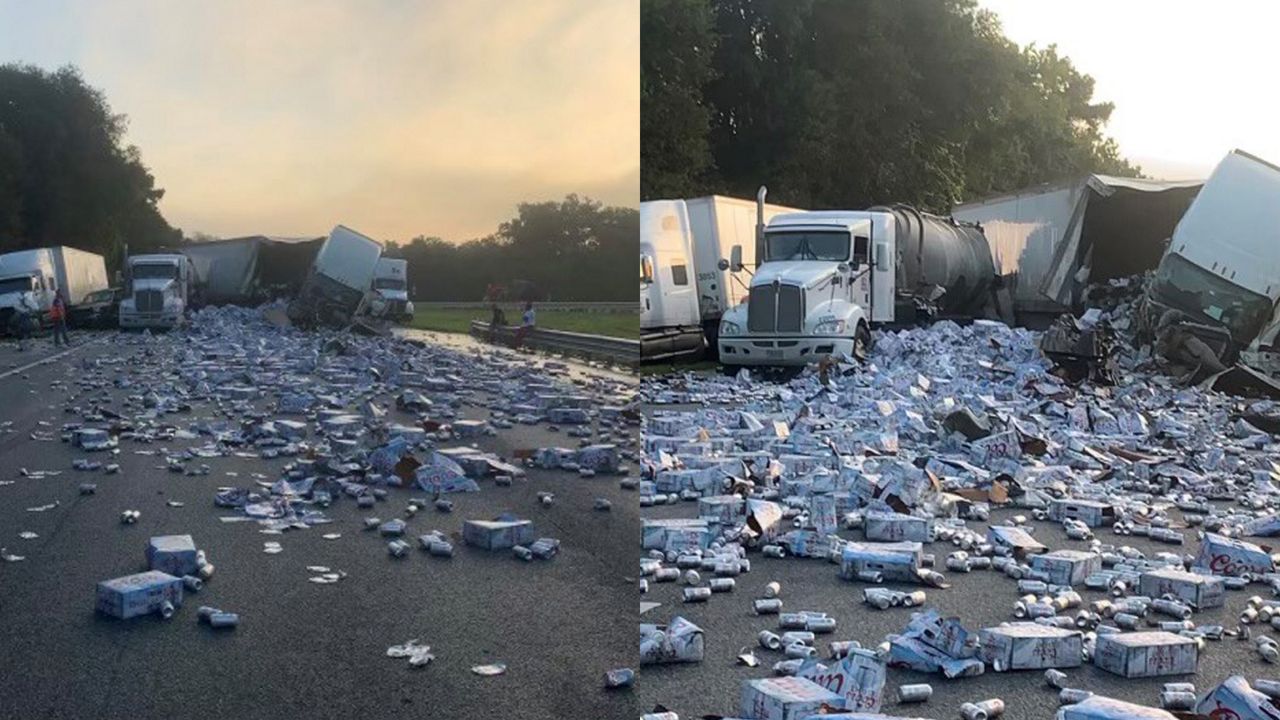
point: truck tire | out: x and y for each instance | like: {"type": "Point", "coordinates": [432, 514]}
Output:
{"type": "Point", "coordinates": [861, 343]}
{"type": "Point", "coordinates": [730, 370]}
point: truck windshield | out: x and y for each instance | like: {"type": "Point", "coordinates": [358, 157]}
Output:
{"type": "Point", "coordinates": [22, 283]}
{"type": "Point", "coordinates": [809, 245]}
{"type": "Point", "coordinates": [148, 271]}
{"type": "Point", "coordinates": [388, 284]}
{"type": "Point", "coordinates": [1190, 288]}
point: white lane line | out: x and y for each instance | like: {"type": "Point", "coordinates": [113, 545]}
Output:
{"type": "Point", "coordinates": [50, 358]}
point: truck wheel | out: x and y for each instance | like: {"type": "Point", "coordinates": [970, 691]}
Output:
{"type": "Point", "coordinates": [861, 343]}
{"type": "Point", "coordinates": [730, 370]}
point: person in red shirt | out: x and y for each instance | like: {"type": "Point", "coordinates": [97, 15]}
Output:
{"type": "Point", "coordinates": [58, 313]}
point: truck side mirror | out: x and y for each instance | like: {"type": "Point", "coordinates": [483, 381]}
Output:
{"type": "Point", "coordinates": [882, 257]}
{"type": "Point", "coordinates": [735, 258]}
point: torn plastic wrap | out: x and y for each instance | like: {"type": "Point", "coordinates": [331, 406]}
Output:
{"type": "Point", "coordinates": [680, 641]}
{"type": "Point", "coordinates": [439, 474]}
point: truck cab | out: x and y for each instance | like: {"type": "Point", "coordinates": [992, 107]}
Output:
{"type": "Point", "coordinates": [157, 291]}
{"type": "Point", "coordinates": [390, 299]}
{"type": "Point", "coordinates": [824, 278]}
{"type": "Point", "coordinates": [27, 284]}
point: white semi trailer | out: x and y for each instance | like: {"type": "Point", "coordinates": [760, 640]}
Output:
{"type": "Point", "coordinates": [340, 281]}
{"type": "Point", "coordinates": [683, 290]}
{"type": "Point", "coordinates": [30, 278]}
{"type": "Point", "coordinates": [826, 278]}
{"type": "Point", "coordinates": [1222, 267]}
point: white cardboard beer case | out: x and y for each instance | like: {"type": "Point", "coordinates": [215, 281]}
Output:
{"type": "Point", "coordinates": [1198, 591]}
{"type": "Point", "coordinates": [497, 534]}
{"type": "Point", "coordinates": [172, 554]}
{"type": "Point", "coordinates": [897, 562]}
{"type": "Point", "coordinates": [785, 698]}
{"type": "Point", "coordinates": [1067, 567]}
{"type": "Point", "coordinates": [1029, 646]}
{"type": "Point", "coordinates": [140, 594]}
{"type": "Point", "coordinates": [1090, 512]}
{"type": "Point", "coordinates": [1146, 654]}
{"type": "Point", "coordinates": [892, 527]}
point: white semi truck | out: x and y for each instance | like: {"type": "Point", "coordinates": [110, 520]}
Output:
{"type": "Point", "coordinates": [340, 282]}
{"type": "Point", "coordinates": [826, 278]}
{"type": "Point", "coordinates": [29, 280]}
{"type": "Point", "coordinates": [1222, 267]}
{"type": "Point", "coordinates": [159, 290]}
{"type": "Point", "coordinates": [390, 298]}
{"type": "Point", "coordinates": [683, 290]}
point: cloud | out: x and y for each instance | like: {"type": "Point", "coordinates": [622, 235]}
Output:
{"type": "Point", "coordinates": [397, 118]}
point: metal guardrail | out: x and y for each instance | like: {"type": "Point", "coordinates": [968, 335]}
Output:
{"type": "Point", "coordinates": [607, 307]}
{"type": "Point", "coordinates": [597, 347]}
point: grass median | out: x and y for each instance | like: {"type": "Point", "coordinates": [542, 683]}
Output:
{"type": "Point", "coordinates": [458, 320]}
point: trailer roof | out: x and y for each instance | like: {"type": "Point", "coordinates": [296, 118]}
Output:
{"type": "Point", "coordinates": [1103, 184]}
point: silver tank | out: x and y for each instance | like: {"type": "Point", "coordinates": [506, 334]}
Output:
{"type": "Point", "coordinates": [941, 251]}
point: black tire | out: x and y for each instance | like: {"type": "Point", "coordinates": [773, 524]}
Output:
{"type": "Point", "coordinates": [862, 343]}
{"type": "Point", "coordinates": [730, 370]}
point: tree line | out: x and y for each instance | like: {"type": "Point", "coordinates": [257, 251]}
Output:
{"type": "Point", "coordinates": [851, 103]}
{"type": "Point", "coordinates": [68, 178]}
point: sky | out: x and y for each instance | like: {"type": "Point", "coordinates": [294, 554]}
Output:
{"type": "Point", "coordinates": [394, 117]}
{"type": "Point", "coordinates": [1190, 80]}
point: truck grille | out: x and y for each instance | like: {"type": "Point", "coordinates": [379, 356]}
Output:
{"type": "Point", "coordinates": [149, 300]}
{"type": "Point", "coordinates": [775, 308]}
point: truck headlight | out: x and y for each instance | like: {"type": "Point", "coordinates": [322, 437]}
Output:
{"type": "Point", "coordinates": [829, 327]}
{"type": "Point", "coordinates": [729, 328]}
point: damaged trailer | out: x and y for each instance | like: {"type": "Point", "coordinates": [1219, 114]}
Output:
{"type": "Point", "coordinates": [1221, 272]}
{"type": "Point", "coordinates": [1050, 242]}
{"type": "Point", "coordinates": [251, 269]}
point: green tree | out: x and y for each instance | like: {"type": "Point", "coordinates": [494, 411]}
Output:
{"type": "Point", "coordinates": [66, 175]}
{"type": "Point", "coordinates": [676, 44]}
{"type": "Point", "coordinates": [850, 103]}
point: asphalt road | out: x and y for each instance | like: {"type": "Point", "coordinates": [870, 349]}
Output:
{"type": "Point", "coordinates": [981, 599]}
{"type": "Point", "coordinates": [302, 649]}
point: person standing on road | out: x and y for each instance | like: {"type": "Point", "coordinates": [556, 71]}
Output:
{"type": "Point", "coordinates": [526, 323]}
{"type": "Point", "coordinates": [58, 313]}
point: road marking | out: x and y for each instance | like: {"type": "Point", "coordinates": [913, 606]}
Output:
{"type": "Point", "coordinates": [51, 358]}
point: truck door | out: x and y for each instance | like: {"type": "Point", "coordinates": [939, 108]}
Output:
{"type": "Point", "coordinates": [860, 289]}
{"type": "Point", "coordinates": [884, 276]}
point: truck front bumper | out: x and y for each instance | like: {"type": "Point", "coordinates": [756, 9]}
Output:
{"type": "Point", "coordinates": [150, 320]}
{"type": "Point", "coordinates": [788, 350]}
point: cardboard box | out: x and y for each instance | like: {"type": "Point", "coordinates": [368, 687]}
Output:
{"type": "Point", "coordinates": [1105, 708]}
{"type": "Point", "coordinates": [1198, 591]}
{"type": "Point", "coordinates": [892, 527]}
{"type": "Point", "coordinates": [1067, 567]}
{"type": "Point", "coordinates": [140, 594]}
{"type": "Point", "coordinates": [858, 677]}
{"type": "Point", "coordinates": [822, 513]}
{"type": "Point", "coordinates": [1016, 539]}
{"type": "Point", "coordinates": [724, 509]}
{"type": "Point", "coordinates": [497, 534]}
{"type": "Point", "coordinates": [674, 534]}
{"type": "Point", "coordinates": [601, 458]}
{"type": "Point", "coordinates": [1146, 654]}
{"type": "Point", "coordinates": [1235, 698]}
{"type": "Point", "coordinates": [785, 698]}
{"type": "Point", "coordinates": [568, 416]}
{"type": "Point", "coordinates": [1090, 512]}
{"type": "Point", "coordinates": [172, 554]}
{"type": "Point", "coordinates": [1030, 646]}
{"type": "Point", "coordinates": [897, 561]}
{"type": "Point", "coordinates": [1226, 556]}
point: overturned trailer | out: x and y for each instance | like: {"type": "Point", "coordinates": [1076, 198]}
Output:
{"type": "Point", "coordinates": [250, 269]}
{"type": "Point", "coordinates": [1049, 242]}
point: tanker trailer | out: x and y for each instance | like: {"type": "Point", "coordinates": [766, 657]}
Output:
{"type": "Point", "coordinates": [828, 277]}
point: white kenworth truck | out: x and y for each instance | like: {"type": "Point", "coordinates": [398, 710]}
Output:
{"type": "Point", "coordinates": [826, 278]}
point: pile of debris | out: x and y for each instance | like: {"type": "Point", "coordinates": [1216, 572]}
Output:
{"type": "Point", "coordinates": [893, 471]}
